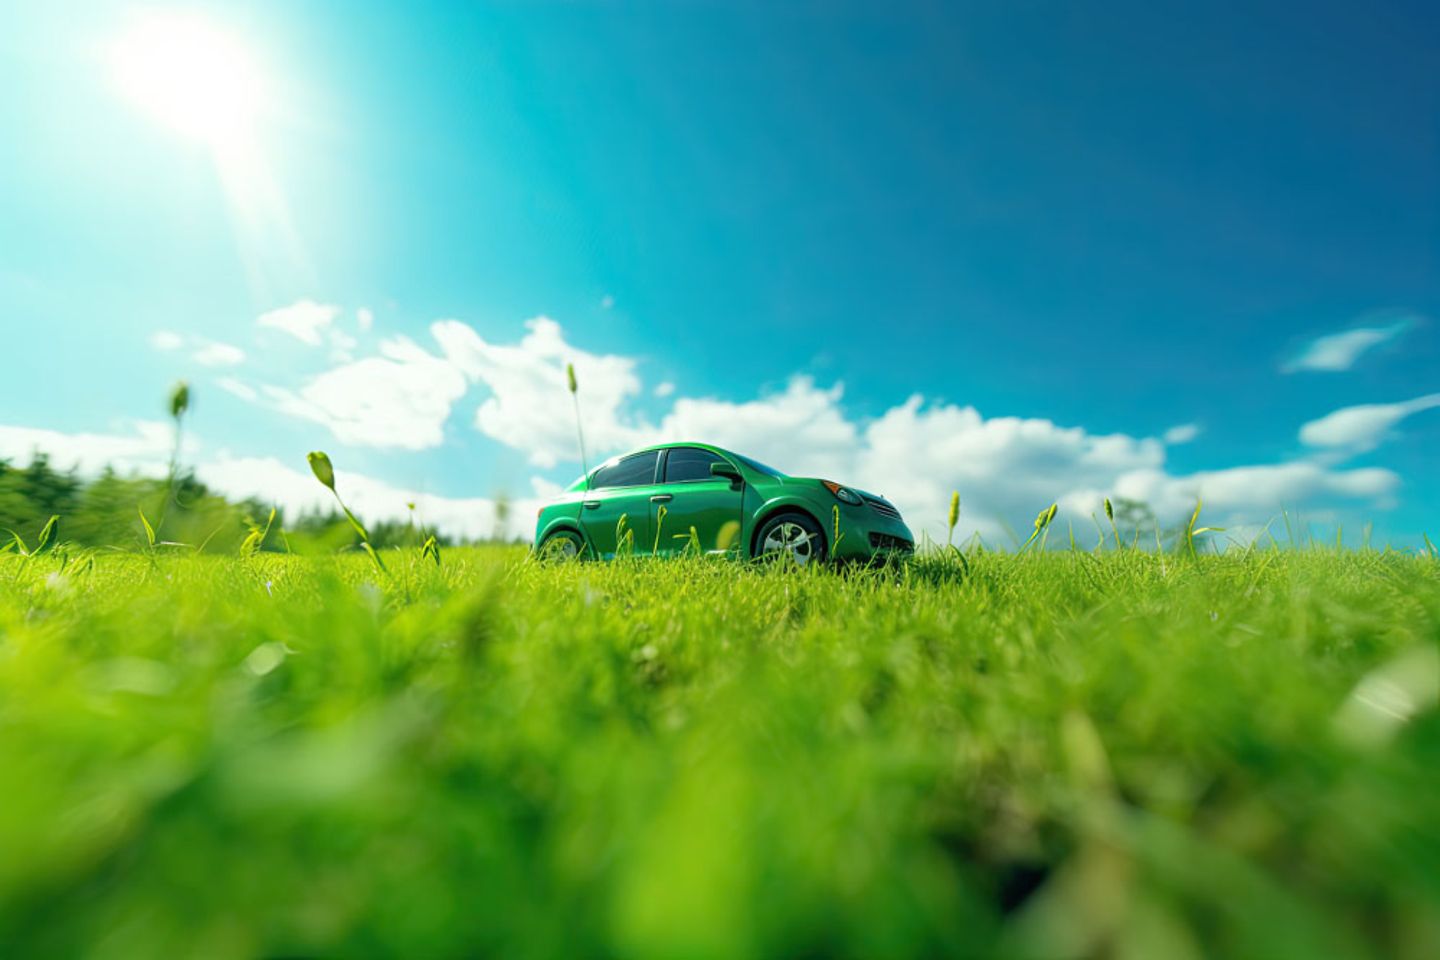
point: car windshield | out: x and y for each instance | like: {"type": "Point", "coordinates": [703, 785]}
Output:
{"type": "Point", "coordinates": [757, 465]}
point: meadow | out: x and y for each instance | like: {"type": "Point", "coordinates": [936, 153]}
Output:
{"type": "Point", "coordinates": [1117, 753]}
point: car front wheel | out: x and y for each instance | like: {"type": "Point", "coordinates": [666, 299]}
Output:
{"type": "Point", "coordinates": [562, 546]}
{"type": "Point", "coordinates": [791, 534]}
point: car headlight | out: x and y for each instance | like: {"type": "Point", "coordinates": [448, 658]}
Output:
{"type": "Point", "coordinates": [843, 494]}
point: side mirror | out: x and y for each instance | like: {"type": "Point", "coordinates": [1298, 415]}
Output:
{"type": "Point", "coordinates": [726, 470]}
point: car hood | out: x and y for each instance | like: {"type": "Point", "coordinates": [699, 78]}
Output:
{"type": "Point", "coordinates": [817, 482]}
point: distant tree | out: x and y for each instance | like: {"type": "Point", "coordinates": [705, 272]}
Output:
{"type": "Point", "coordinates": [1135, 521]}
{"type": "Point", "coordinates": [502, 516]}
{"type": "Point", "coordinates": [31, 495]}
{"type": "Point", "coordinates": [105, 511]}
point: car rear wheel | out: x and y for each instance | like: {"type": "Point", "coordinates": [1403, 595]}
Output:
{"type": "Point", "coordinates": [562, 546]}
{"type": "Point", "coordinates": [791, 534]}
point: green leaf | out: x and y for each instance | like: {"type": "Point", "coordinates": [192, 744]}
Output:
{"type": "Point", "coordinates": [374, 556]}
{"type": "Point", "coordinates": [251, 544]}
{"type": "Point", "coordinates": [1190, 527]}
{"type": "Point", "coordinates": [964, 563]}
{"type": "Point", "coordinates": [149, 530]}
{"type": "Point", "coordinates": [359, 527]}
{"type": "Point", "coordinates": [46, 533]}
{"type": "Point", "coordinates": [17, 542]}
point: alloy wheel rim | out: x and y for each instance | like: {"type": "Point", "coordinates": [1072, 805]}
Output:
{"type": "Point", "coordinates": [790, 538]}
{"type": "Point", "coordinates": [561, 548]}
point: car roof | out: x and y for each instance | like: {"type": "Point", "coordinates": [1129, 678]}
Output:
{"type": "Point", "coordinates": [670, 446]}
{"type": "Point", "coordinates": [666, 446]}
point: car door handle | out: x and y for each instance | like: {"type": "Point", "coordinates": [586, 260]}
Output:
{"type": "Point", "coordinates": [662, 498]}
{"type": "Point", "coordinates": [591, 504]}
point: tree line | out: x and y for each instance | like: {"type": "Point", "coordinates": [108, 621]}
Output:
{"type": "Point", "coordinates": [106, 511]}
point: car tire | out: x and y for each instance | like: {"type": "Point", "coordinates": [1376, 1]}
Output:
{"type": "Point", "coordinates": [792, 533]}
{"type": "Point", "coordinates": [562, 546]}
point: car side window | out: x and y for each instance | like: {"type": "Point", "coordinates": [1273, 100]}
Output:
{"type": "Point", "coordinates": [631, 472]}
{"type": "Point", "coordinates": [683, 464]}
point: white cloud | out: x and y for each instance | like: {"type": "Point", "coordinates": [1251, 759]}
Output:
{"type": "Point", "coordinates": [237, 387]}
{"type": "Point", "coordinates": [1339, 351]}
{"type": "Point", "coordinates": [401, 398]}
{"type": "Point", "coordinates": [529, 407]}
{"type": "Point", "coordinates": [1362, 427]}
{"type": "Point", "coordinates": [295, 489]}
{"type": "Point", "coordinates": [213, 353]}
{"type": "Point", "coordinates": [1255, 491]}
{"type": "Point", "coordinates": [365, 318]}
{"type": "Point", "coordinates": [145, 446]}
{"type": "Point", "coordinates": [607, 302]}
{"type": "Point", "coordinates": [664, 389]}
{"type": "Point", "coordinates": [546, 489]}
{"type": "Point", "coordinates": [803, 427]}
{"type": "Point", "coordinates": [166, 340]}
{"type": "Point", "coordinates": [207, 353]}
{"type": "Point", "coordinates": [342, 346]}
{"type": "Point", "coordinates": [1182, 433]}
{"type": "Point", "coordinates": [1006, 468]}
{"type": "Point", "coordinates": [304, 320]}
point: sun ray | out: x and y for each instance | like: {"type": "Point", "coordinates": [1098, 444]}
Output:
{"type": "Point", "coordinates": [204, 83]}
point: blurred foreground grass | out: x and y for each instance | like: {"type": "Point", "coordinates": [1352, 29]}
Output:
{"type": "Point", "coordinates": [1058, 755]}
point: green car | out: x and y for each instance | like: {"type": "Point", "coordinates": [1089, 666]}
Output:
{"type": "Point", "coordinates": [675, 497]}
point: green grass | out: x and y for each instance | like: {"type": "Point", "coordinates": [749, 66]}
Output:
{"type": "Point", "coordinates": [1059, 754]}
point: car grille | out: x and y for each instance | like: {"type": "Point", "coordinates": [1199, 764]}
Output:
{"type": "Point", "coordinates": [884, 541]}
{"type": "Point", "coordinates": [883, 508]}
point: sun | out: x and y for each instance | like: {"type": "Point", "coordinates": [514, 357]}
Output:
{"type": "Point", "coordinates": [201, 80]}
{"type": "Point", "coordinates": [192, 76]}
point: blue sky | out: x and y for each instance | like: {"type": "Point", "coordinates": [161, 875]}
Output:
{"type": "Point", "coordinates": [1062, 230]}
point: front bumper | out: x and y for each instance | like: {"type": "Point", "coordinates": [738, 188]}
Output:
{"type": "Point", "coordinates": [867, 532]}
{"type": "Point", "coordinates": [889, 543]}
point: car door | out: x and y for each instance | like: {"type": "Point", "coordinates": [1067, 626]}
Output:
{"type": "Point", "coordinates": [622, 488]}
{"type": "Point", "coordinates": [693, 497]}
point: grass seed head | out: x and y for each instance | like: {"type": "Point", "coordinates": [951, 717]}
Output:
{"type": "Point", "coordinates": [570, 377]}
{"type": "Point", "coordinates": [954, 508]}
{"type": "Point", "coordinates": [179, 399]}
{"type": "Point", "coordinates": [1109, 510]}
{"type": "Point", "coordinates": [320, 466]}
